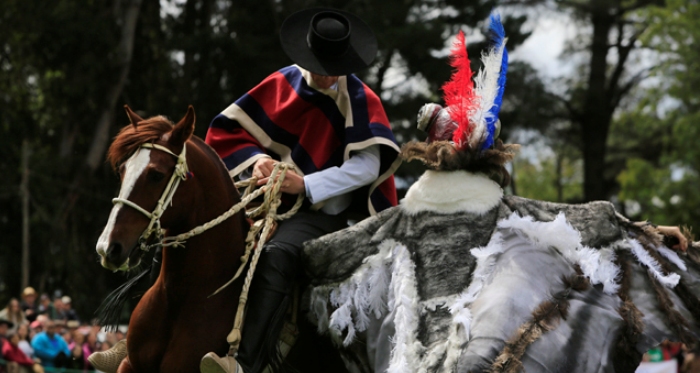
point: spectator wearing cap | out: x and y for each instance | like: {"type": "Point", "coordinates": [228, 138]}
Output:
{"type": "Point", "coordinates": [50, 347]}
{"type": "Point", "coordinates": [13, 312]}
{"type": "Point", "coordinates": [29, 304]}
{"type": "Point", "coordinates": [69, 313]}
{"type": "Point", "coordinates": [59, 312]}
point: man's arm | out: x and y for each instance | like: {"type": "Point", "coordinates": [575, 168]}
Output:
{"type": "Point", "coordinates": [361, 169]}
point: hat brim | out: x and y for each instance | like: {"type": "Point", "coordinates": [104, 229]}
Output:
{"type": "Point", "coordinates": [360, 54]}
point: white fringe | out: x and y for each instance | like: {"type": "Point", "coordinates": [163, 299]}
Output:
{"type": "Point", "coordinates": [597, 265]}
{"type": "Point", "coordinates": [384, 283]}
{"type": "Point", "coordinates": [361, 295]}
{"type": "Point", "coordinates": [673, 257]}
{"type": "Point", "coordinates": [459, 308]}
{"type": "Point", "coordinates": [407, 349]}
{"type": "Point", "coordinates": [643, 257]}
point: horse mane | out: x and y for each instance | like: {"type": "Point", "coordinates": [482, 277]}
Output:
{"type": "Point", "coordinates": [130, 138]}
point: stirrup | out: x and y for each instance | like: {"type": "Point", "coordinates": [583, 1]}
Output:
{"type": "Point", "coordinates": [212, 363]}
{"type": "Point", "coordinates": [108, 361]}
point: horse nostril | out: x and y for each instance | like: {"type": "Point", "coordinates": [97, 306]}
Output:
{"type": "Point", "coordinates": [114, 252]}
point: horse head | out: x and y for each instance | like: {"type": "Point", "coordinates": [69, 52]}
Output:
{"type": "Point", "coordinates": [149, 155]}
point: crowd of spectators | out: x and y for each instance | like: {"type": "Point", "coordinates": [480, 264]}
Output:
{"type": "Point", "coordinates": [683, 359]}
{"type": "Point", "coordinates": [39, 333]}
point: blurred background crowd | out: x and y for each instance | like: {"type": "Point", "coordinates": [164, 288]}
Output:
{"type": "Point", "coordinates": [670, 357]}
{"type": "Point", "coordinates": [43, 333]}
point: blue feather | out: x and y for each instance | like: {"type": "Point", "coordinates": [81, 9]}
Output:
{"type": "Point", "coordinates": [497, 36]}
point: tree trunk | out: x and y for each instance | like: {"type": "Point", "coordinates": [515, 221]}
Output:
{"type": "Point", "coordinates": [126, 46]}
{"type": "Point", "coordinates": [596, 117]}
{"type": "Point", "coordinates": [24, 191]}
{"type": "Point", "coordinates": [126, 14]}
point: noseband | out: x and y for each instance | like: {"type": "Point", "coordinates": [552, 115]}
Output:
{"type": "Point", "coordinates": [179, 174]}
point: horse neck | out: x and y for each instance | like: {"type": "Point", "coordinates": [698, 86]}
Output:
{"type": "Point", "coordinates": [212, 257]}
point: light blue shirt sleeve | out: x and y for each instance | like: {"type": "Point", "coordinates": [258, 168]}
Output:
{"type": "Point", "coordinates": [333, 184]}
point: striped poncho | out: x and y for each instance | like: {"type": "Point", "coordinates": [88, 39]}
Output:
{"type": "Point", "coordinates": [314, 129]}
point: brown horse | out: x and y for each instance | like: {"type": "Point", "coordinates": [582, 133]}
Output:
{"type": "Point", "coordinates": [176, 322]}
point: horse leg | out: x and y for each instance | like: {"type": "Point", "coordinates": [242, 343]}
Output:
{"type": "Point", "coordinates": [125, 366]}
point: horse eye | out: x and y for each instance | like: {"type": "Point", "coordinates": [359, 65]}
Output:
{"type": "Point", "coordinates": [156, 176]}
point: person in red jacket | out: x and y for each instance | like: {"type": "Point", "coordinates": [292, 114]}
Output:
{"type": "Point", "coordinates": [17, 360]}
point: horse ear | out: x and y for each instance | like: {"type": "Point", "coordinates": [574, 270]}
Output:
{"type": "Point", "coordinates": [184, 128]}
{"type": "Point", "coordinates": [133, 117]}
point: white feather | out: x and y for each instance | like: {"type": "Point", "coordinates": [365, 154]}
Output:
{"type": "Point", "coordinates": [673, 257]}
{"type": "Point", "coordinates": [407, 349]}
{"type": "Point", "coordinates": [486, 88]}
{"type": "Point", "coordinates": [643, 257]}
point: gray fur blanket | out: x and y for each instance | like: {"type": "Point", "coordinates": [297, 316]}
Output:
{"type": "Point", "coordinates": [506, 285]}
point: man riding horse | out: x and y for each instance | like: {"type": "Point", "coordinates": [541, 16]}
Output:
{"type": "Point", "coordinates": [322, 119]}
{"type": "Point", "coordinates": [319, 117]}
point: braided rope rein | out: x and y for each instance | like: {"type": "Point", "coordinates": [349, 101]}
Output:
{"type": "Point", "coordinates": [270, 204]}
{"type": "Point", "coordinates": [271, 201]}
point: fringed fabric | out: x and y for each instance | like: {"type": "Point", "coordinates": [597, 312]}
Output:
{"type": "Point", "coordinates": [597, 264]}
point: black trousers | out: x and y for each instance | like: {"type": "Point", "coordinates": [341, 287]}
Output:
{"type": "Point", "coordinates": [278, 269]}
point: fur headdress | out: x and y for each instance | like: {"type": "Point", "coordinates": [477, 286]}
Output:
{"type": "Point", "coordinates": [468, 124]}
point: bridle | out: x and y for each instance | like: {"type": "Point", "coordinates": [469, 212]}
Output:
{"type": "Point", "coordinates": [179, 174]}
{"type": "Point", "coordinates": [262, 228]}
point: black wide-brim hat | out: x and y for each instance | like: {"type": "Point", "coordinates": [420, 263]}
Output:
{"type": "Point", "coordinates": [328, 41]}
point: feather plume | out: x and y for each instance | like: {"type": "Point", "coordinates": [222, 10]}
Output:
{"type": "Point", "coordinates": [497, 35]}
{"type": "Point", "coordinates": [459, 95]}
{"type": "Point", "coordinates": [489, 86]}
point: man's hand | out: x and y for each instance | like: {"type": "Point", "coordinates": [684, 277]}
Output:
{"type": "Point", "coordinates": [293, 182]}
{"type": "Point", "coordinates": [674, 232]}
{"type": "Point", "coordinates": [263, 168]}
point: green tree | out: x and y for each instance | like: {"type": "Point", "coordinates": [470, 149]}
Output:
{"type": "Point", "coordinates": [609, 41]}
{"type": "Point", "coordinates": [665, 184]}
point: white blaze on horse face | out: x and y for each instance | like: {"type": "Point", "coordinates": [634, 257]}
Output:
{"type": "Point", "coordinates": [133, 168]}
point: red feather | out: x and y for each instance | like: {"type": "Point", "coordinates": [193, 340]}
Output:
{"type": "Point", "coordinates": [459, 92]}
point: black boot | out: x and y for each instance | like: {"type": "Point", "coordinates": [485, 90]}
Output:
{"type": "Point", "coordinates": [268, 301]}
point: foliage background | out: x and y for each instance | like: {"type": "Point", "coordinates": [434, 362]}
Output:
{"type": "Point", "coordinates": [621, 126]}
